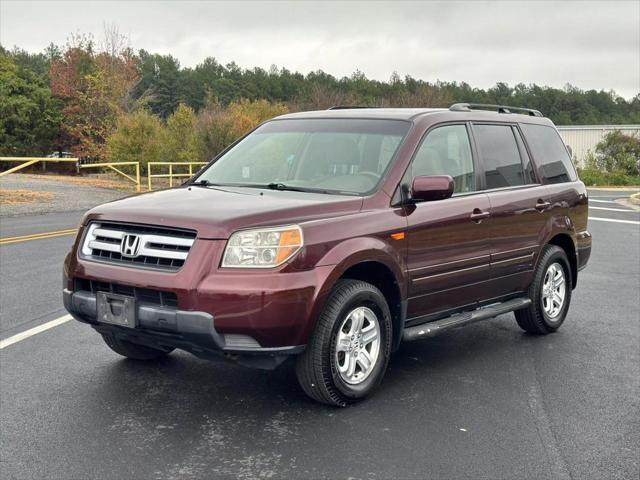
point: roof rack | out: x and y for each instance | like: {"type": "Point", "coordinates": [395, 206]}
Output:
{"type": "Point", "coordinates": [348, 107]}
{"type": "Point", "coordinates": [466, 107]}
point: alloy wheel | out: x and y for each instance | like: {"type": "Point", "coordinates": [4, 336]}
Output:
{"type": "Point", "coordinates": [357, 345]}
{"type": "Point", "coordinates": [554, 288]}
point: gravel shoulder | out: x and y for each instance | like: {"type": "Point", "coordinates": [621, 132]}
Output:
{"type": "Point", "coordinates": [66, 196]}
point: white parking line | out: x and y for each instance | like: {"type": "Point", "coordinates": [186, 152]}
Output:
{"type": "Point", "coordinates": [601, 201]}
{"type": "Point", "coordinates": [34, 331]}
{"type": "Point", "coordinates": [611, 209]}
{"type": "Point", "coordinates": [615, 220]}
{"type": "Point", "coordinates": [610, 197]}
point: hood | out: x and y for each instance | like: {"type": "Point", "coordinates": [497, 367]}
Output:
{"type": "Point", "coordinates": [216, 212]}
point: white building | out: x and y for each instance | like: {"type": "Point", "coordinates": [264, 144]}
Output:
{"type": "Point", "coordinates": [584, 138]}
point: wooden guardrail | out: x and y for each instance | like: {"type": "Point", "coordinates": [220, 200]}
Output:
{"type": "Point", "coordinates": [171, 174]}
{"type": "Point", "coordinates": [115, 166]}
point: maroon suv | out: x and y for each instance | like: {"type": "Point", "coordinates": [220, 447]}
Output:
{"type": "Point", "coordinates": [334, 236]}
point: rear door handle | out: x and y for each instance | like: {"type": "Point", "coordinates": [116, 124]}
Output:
{"type": "Point", "coordinates": [541, 206]}
{"type": "Point", "coordinates": [478, 215]}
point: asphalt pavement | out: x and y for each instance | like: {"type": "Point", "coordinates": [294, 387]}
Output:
{"type": "Point", "coordinates": [486, 401]}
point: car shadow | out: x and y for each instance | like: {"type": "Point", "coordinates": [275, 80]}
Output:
{"type": "Point", "coordinates": [202, 387]}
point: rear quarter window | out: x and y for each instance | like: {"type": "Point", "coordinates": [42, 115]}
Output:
{"type": "Point", "coordinates": [549, 152]}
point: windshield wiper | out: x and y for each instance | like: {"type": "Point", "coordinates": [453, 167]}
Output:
{"type": "Point", "coordinates": [272, 186]}
{"type": "Point", "coordinates": [290, 188]}
{"type": "Point", "coordinates": [203, 183]}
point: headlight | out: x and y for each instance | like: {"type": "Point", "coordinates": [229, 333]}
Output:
{"type": "Point", "coordinates": [262, 247]}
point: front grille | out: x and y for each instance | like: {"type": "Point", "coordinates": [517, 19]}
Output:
{"type": "Point", "coordinates": [149, 246]}
{"type": "Point", "coordinates": [142, 295]}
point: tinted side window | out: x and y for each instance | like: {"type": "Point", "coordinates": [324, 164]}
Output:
{"type": "Point", "coordinates": [500, 156]}
{"type": "Point", "coordinates": [550, 153]}
{"type": "Point", "coordinates": [446, 151]}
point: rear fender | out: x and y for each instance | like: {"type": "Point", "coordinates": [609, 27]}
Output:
{"type": "Point", "coordinates": [561, 224]}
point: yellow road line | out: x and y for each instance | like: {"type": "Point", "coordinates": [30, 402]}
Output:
{"type": "Point", "coordinates": [37, 236]}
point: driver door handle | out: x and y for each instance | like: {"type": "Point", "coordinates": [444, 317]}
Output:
{"type": "Point", "coordinates": [478, 215]}
{"type": "Point", "coordinates": [541, 205]}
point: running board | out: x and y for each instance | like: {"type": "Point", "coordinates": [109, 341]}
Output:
{"type": "Point", "coordinates": [460, 319]}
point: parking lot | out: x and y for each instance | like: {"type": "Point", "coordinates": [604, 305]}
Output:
{"type": "Point", "coordinates": [487, 401]}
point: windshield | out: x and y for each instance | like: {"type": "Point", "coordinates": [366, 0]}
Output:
{"type": "Point", "coordinates": [342, 156]}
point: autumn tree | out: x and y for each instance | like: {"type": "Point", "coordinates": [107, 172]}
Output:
{"type": "Point", "coordinates": [94, 87]}
{"type": "Point", "coordinates": [219, 126]}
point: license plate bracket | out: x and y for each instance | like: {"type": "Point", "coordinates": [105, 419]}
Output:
{"type": "Point", "coordinates": [116, 309]}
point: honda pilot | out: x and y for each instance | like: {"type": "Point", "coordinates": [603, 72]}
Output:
{"type": "Point", "coordinates": [334, 236]}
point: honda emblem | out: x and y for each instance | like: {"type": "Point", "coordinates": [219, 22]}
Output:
{"type": "Point", "coordinates": [129, 246]}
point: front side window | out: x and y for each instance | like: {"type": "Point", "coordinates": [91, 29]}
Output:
{"type": "Point", "coordinates": [549, 151]}
{"type": "Point", "coordinates": [342, 156]}
{"type": "Point", "coordinates": [500, 156]}
{"type": "Point", "coordinates": [446, 151]}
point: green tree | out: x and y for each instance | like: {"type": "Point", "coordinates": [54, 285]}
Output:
{"type": "Point", "coordinates": [137, 138]}
{"type": "Point", "coordinates": [180, 142]}
{"type": "Point", "coordinates": [159, 85]}
{"type": "Point", "coordinates": [29, 117]}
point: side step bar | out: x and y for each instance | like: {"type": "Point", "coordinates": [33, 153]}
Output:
{"type": "Point", "coordinates": [460, 319]}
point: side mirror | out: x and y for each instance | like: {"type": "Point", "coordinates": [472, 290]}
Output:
{"type": "Point", "coordinates": [434, 187]}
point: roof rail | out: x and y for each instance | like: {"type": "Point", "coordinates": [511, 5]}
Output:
{"type": "Point", "coordinates": [466, 107]}
{"type": "Point", "coordinates": [348, 107]}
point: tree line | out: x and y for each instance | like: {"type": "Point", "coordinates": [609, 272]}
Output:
{"type": "Point", "coordinates": [105, 101]}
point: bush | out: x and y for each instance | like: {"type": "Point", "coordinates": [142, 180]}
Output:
{"type": "Point", "coordinates": [616, 153]}
{"type": "Point", "coordinates": [593, 177]}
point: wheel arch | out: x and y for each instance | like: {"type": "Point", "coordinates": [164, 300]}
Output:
{"type": "Point", "coordinates": [381, 276]}
{"type": "Point", "coordinates": [374, 261]}
{"type": "Point", "coordinates": [564, 241]}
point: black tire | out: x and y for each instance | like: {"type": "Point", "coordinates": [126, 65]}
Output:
{"type": "Point", "coordinates": [134, 351]}
{"type": "Point", "coordinates": [534, 319]}
{"type": "Point", "coordinates": [316, 368]}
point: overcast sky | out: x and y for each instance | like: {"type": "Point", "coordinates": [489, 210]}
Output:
{"type": "Point", "coordinates": [588, 44]}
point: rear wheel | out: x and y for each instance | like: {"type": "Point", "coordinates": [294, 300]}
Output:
{"type": "Point", "coordinates": [550, 293]}
{"type": "Point", "coordinates": [350, 347]}
{"type": "Point", "coordinates": [134, 351]}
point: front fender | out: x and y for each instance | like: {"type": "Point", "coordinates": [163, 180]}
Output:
{"type": "Point", "coordinates": [351, 252]}
{"type": "Point", "coordinates": [367, 249]}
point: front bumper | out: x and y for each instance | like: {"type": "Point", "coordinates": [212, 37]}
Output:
{"type": "Point", "coordinates": [193, 331]}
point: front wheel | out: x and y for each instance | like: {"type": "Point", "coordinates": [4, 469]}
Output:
{"type": "Point", "coordinates": [350, 347]}
{"type": "Point", "coordinates": [550, 293]}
